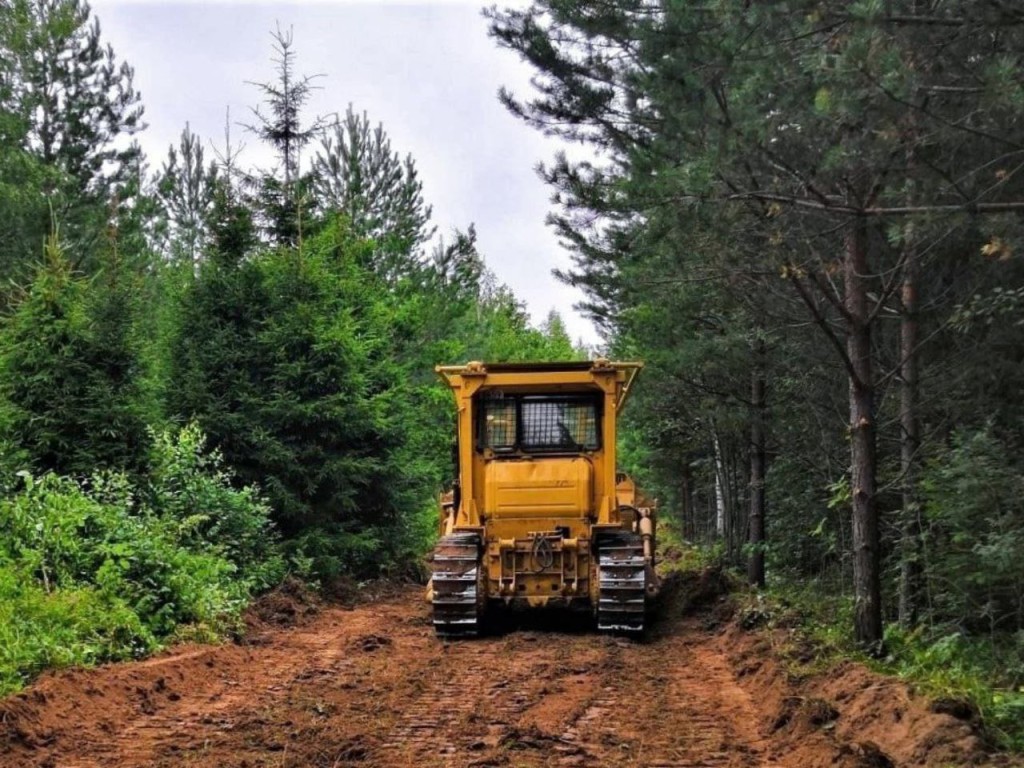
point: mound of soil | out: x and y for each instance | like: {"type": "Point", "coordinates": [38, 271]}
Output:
{"type": "Point", "coordinates": [708, 592]}
{"type": "Point", "coordinates": [89, 704]}
{"type": "Point", "coordinates": [290, 604]}
{"type": "Point", "coordinates": [873, 721]}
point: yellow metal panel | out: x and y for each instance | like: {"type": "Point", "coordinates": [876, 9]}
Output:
{"type": "Point", "coordinates": [551, 487]}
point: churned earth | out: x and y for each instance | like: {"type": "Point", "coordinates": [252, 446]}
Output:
{"type": "Point", "coordinates": [371, 686]}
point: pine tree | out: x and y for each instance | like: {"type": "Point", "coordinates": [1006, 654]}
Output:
{"type": "Point", "coordinates": [22, 177]}
{"type": "Point", "coordinates": [686, 103]}
{"type": "Point", "coordinates": [80, 105]}
{"type": "Point", "coordinates": [356, 174]}
{"type": "Point", "coordinates": [186, 188]}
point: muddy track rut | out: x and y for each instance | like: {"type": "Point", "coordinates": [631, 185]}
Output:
{"type": "Point", "coordinates": [372, 687]}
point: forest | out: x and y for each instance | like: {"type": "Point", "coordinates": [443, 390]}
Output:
{"type": "Point", "coordinates": [804, 217]}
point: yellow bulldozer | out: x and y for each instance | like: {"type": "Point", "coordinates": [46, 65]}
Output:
{"type": "Point", "coordinates": [538, 515]}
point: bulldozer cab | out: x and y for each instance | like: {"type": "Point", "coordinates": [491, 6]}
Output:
{"type": "Point", "coordinates": [537, 424]}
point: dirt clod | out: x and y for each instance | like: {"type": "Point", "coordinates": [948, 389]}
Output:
{"type": "Point", "coordinates": [372, 642]}
{"type": "Point", "coordinates": [803, 714]}
{"type": "Point", "coordinates": [961, 709]}
{"type": "Point", "coordinates": [289, 605]}
{"type": "Point", "coordinates": [865, 754]}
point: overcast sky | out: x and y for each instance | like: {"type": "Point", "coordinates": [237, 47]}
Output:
{"type": "Point", "coordinates": [427, 70]}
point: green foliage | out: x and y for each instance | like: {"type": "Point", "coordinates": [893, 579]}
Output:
{"type": "Point", "coordinates": [821, 626]}
{"type": "Point", "coordinates": [293, 317]}
{"type": "Point", "coordinates": [70, 371]}
{"type": "Point", "coordinates": [984, 675]}
{"type": "Point", "coordinates": [106, 568]}
{"type": "Point", "coordinates": [286, 360]}
{"type": "Point", "coordinates": [357, 175]}
{"type": "Point", "coordinates": [43, 367]}
{"type": "Point", "coordinates": [974, 497]}
{"type": "Point", "coordinates": [987, 674]}
{"type": "Point", "coordinates": [1001, 305]}
{"type": "Point", "coordinates": [78, 105]}
{"type": "Point", "coordinates": [77, 625]}
{"type": "Point", "coordinates": [189, 484]}
{"type": "Point", "coordinates": [280, 194]}
{"type": "Point", "coordinates": [735, 147]}
{"type": "Point", "coordinates": [22, 205]}
{"type": "Point", "coordinates": [186, 187]}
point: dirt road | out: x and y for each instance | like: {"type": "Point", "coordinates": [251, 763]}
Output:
{"type": "Point", "coordinates": [371, 686]}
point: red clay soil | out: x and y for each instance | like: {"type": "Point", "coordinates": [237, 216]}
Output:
{"type": "Point", "coordinates": [371, 686]}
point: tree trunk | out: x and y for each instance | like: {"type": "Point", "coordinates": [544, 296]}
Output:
{"type": "Point", "coordinates": [910, 440]}
{"type": "Point", "coordinates": [686, 501]}
{"type": "Point", "coordinates": [720, 510]}
{"type": "Point", "coordinates": [755, 566]}
{"type": "Point", "coordinates": [866, 579]}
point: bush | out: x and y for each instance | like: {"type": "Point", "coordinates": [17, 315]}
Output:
{"type": "Point", "coordinates": [189, 485]}
{"type": "Point", "coordinates": [77, 625]}
{"type": "Point", "coordinates": [107, 568]}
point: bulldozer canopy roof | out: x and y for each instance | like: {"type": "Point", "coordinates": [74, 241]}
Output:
{"type": "Point", "coordinates": [565, 367]}
{"type": "Point", "coordinates": [569, 365]}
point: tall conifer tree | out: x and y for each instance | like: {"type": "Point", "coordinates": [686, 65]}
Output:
{"type": "Point", "coordinates": [80, 105]}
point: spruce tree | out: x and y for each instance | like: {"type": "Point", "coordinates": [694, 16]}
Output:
{"type": "Point", "coordinates": [281, 193]}
{"type": "Point", "coordinates": [70, 371]}
{"type": "Point", "coordinates": [288, 361]}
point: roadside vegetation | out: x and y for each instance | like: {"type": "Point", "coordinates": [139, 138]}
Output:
{"type": "Point", "coordinates": [977, 678]}
{"type": "Point", "coordinates": [111, 566]}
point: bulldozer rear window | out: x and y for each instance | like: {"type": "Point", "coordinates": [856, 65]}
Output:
{"type": "Point", "coordinates": [499, 424]}
{"type": "Point", "coordinates": [539, 423]}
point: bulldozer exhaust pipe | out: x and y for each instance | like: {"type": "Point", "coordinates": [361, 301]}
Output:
{"type": "Point", "coordinates": [646, 526]}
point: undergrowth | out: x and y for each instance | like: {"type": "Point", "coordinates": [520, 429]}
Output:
{"type": "Point", "coordinates": [985, 673]}
{"type": "Point", "coordinates": [113, 566]}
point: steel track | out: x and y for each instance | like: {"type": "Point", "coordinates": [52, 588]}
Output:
{"type": "Point", "coordinates": [621, 605]}
{"type": "Point", "coordinates": [456, 584]}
